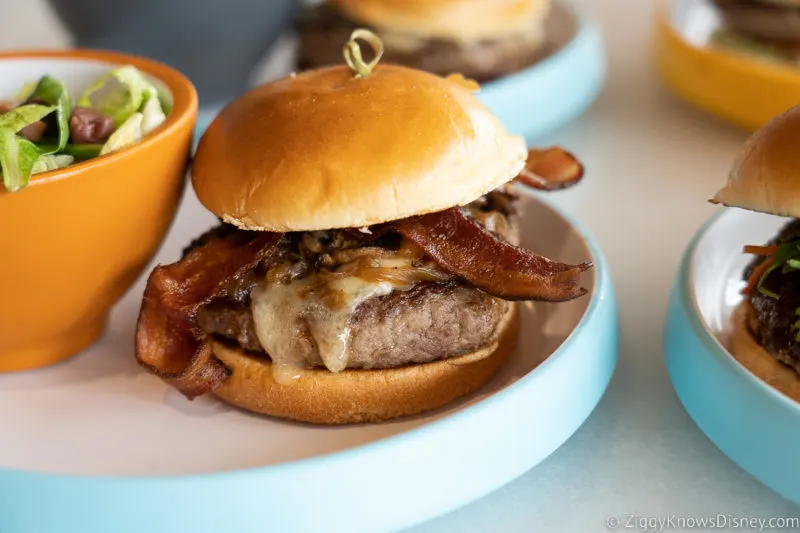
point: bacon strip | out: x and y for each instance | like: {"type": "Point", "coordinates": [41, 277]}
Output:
{"type": "Point", "coordinates": [464, 248]}
{"type": "Point", "coordinates": [169, 343]}
{"type": "Point", "coordinates": [550, 169]}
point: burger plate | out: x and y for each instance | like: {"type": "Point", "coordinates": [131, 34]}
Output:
{"type": "Point", "coordinates": [95, 445]}
{"type": "Point", "coordinates": [752, 423]}
{"type": "Point", "coordinates": [744, 91]}
{"type": "Point", "coordinates": [558, 88]}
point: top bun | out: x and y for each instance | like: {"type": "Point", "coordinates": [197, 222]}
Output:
{"type": "Point", "coordinates": [460, 20]}
{"type": "Point", "coordinates": [766, 173]}
{"type": "Point", "coordinates": [323, 150]}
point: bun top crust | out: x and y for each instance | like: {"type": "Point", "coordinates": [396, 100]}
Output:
{"type": "Point", "coordinates": [324, 150]}
{"type": "Point", "coordinates": [459, 20]}
{"type": "Point", "coordinates": [766, 175]}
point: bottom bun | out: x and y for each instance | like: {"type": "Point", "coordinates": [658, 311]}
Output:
{"type": "Point", "coordinates": [351, 396]}
{"type": "Point", "coordinates": [755, 358]}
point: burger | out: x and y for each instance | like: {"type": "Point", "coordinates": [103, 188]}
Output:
{"type": "Point", "coordinates": [365, 265]}
{"type": "Point", "coordinates": [766, 325]}
{"type": "Point", "coordinates": [766, 29]}
{"type": "Point", "coordinates": [480, 39]}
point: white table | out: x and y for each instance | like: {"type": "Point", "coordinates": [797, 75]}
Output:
{"type": "Point", "coordinates": [652, 162]}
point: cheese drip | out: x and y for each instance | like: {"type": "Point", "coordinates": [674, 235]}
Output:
{"type": "Point", "coordinates": [294, 319]}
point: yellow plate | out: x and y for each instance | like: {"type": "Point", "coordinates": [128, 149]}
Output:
{"type": "Point", "coordinates": [736, 88]}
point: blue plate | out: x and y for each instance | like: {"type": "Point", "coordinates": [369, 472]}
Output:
{"type": "Point", "coordinates": [96, 446]}
{"type": "Point", "coordinates": [752, 423]}
{"type": "Point", "coordinates": [558, 88]}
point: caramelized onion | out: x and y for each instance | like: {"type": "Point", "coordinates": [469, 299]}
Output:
{"type": "Point", "coordinates": [464, 248]}
{"type": "Point", "coordinates": [370, 264]}
{"type": "Point", "coordinates": [404, 276]}
{"type": "Point", "coordinates": [550, 169]}
{"type": "Point", "coordinates": [169, 343]}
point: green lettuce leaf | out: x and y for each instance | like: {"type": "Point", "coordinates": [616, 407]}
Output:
{"type": "Point", "coordinates": [127, 134]}
{"type": "Point", "coordinates": [78, 151]}
{"type": "Point", "coordinates": [55, 93]}
{"type": "Point", "coordinates": [152, 113]}
{"type": "Point", "coordinates": [17, 158]}
{"type": "Point", "coordinates": [51, 162]}
{"type": "Point", "coordinates": [83, 151]}
{"type": "Point", "coordinates": [21, 116]}
{"type": "Point", "coordinates": [787, 259]}
{"type": "Point", "coordinates": [119, 94]}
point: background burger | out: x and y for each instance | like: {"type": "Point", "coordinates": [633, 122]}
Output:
{"type": "Point", "coordinates": [365, 267]}
{"type": "Point", "coordinates": [768, 29]}
{"type": "Point", "coordinates": [766, 337]}
{"type": "Point", "coordinates": [482, 40]}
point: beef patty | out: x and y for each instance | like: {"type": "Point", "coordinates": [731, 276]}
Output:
{"type": "Point", "coordinates": [322, 31]}
{"type": "Point", "coordinates": [775, 318]}
{"type": "Point", "coordinates": [429, 322]}
{"type": "Point", "coordinates": [762, 20]}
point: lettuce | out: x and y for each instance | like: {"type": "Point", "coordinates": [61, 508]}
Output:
{"type": "Point", "coordinates": [51, 162]}
{"type": "Point", "coordinates": [55, 93]}
{"type": "Point", "coordinates": [17, 158]}
{"type": "Point", "coordinates": [119, 94]}
{"type": "Point", "coordinates": [127, 134]}
{"type": "Point", "coordinates": [21, 116]}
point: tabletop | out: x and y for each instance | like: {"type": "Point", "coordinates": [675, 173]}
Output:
{"type": "Point", "coordinates": [651, 164]}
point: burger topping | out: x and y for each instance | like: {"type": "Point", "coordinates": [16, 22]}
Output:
{"type": "Point", "coordinates": [550, 169]}
{"type": "Point", "coordinates": [294, 317]}
{"type": "Point", "coordinates": [302, 289]}
{"type": "Point", "coordinates": [773, 288]}
{"type": "Point", "coordinates": [464, 248]}
{"type": "Point", "coordinates": [785, 257]}
{"type": "Point", "coordinates": [168, 341]}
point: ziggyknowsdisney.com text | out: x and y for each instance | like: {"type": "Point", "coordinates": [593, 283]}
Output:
{"type": "Point", "coordinates": [719, 521]}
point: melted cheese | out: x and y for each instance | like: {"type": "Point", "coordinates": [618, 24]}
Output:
{"type": "Point", "coordinates": [292, 319]}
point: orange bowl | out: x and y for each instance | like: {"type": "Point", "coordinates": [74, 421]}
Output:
{"type": "Point", "coordinates": [74, 240]}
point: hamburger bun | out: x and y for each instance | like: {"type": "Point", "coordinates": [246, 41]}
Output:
{"type": "Point", "coordinates": [756, 359]}
{"type": "Point", "coordinates": [352, 396]}
{"type": "Point", "coordinates": [764, 176]}
{"type": "Point", "coordinates": [325, 150]}
{"type": "Point", "coordinates": [458, 20]}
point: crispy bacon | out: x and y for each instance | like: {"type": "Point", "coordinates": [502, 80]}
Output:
{"type": "Point", "coordinates": [550, 169]}
{"type": "Point", "coordinates": [464, 248]}
{"type": "Point", "coordinates": [169, 342]}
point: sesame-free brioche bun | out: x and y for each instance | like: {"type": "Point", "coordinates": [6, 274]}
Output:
{"type": "Point", "coordinates": [459, 20]}
{"type": "Point", "coordinates": [756, 359]}
{"type": "Point", "coordinates": [323, 150]}
{"type": "Point", "coordinates": [322, 397]}
{"type": "Point", "coordinates": [766, 175]}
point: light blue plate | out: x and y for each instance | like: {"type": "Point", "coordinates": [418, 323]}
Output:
{"type": "Point", "coordinates": [122, 431]}
{"type": "Point", "coordinates": [752, 423]}
{"type": "Point", "coordinates": [558, 88]}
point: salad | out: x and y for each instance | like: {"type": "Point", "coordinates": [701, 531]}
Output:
{"type": "Point", "coordinates": [43, 128]}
